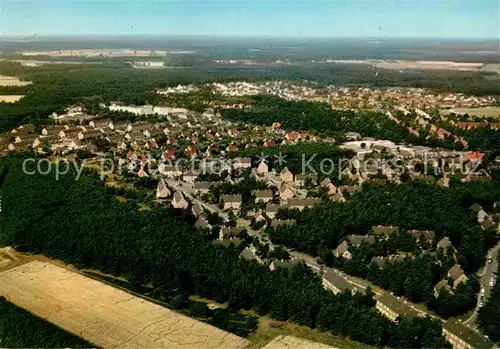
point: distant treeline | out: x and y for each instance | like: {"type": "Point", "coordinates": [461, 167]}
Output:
{"type": "Point", "coordinates": [59, 85]}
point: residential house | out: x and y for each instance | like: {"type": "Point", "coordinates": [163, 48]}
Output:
{"type": "Point", "coordinates": [302, 179]}
{"type": "Point", "coordinates": [283, 264]}
{"type": "Point", "coordinates": [392, 307]}
{"type": "Point", "coordinates": [441, 286]}
{"type": "Point", "coordinates": [230, 232]}
{"type": "Point", "coordinates": [242, 163]}
{"type": "Point", "coordinates": [325, 182]}
{"type": "Point", "coordinates": [462, 337]}
{"type": "Point", "coordinates": [272, 209]}
{"type": "Point", "coordinates": [286, 175]}
{"type": "Point", "coordinates": [262, 168]}
{"type": "Point", "coordinates": [179, 201]}
{"type": "Point", "coordinates": [262, 195]}
{"type": "Point", "coordinates": [250, 254]}
{"type": "Point", "coordinates": [275, 223]}
{"type": "Point", "coordinates": [202, 223]}
{"type": "Point", "coordinates": [197, 209]}
{"type": "Point", "coordinates": [162, 190]}
{"type": "Point", "coordinates": [233, 202]}
{"type": "Point", "coordinates": [259, 216]}
{"type": "Point", "coordinates": [444, 243]}
{"type": "Point", "coordinates": [203, 187]}
{"type": "Point", "coordinates": [286, 193]}
{"type": "Point", "coordinates": [428, 235]}
{"type": "Point", "coordinates": [357, 240]}
{"type": "Point", "coordinates": [336, 283]}
{"type": "Point", "coordinates": [338, 197]}
{"type": "Point", "coordinates": [302, 203]}
{"type": "Point", "coordinates": [342, 251]}
{"type": "Point", "coordinates": [386, 231]}
{"type": "Point", "coordinates": [457, 275]}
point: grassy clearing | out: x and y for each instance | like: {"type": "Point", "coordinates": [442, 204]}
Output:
{"type": "Point", "coordinates": [269, 329]}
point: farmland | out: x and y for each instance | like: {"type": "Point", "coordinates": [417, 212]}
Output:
{"type": "Point", "coordinates": [103, 315]}
{"type": "Point", "coordinates": [12, 81]}
{"type": "Point", "coordinates": [486, 111]}
{"type": "Point", "coordinates": [10, 98]}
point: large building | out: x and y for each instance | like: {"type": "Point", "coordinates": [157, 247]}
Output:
{"type": "Point", "coordinates": [462, 337]}
{"type": "Point", "coordinates": [392, 307]}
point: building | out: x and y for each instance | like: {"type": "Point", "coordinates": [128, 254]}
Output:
{"type": "Point", "coordinates": [275, 223]}
{"type": "Point", "coordinates": [286, 193]}
{"type": "Point", "coordinates": [286, 175]}
{"type": "Point", "coordinates": [342, 251]}
{"type": "Point", "coordinates": [457, 275]}
{"type": "Point", "coordinates": [179, 201]}
{"type": "Point", "coordinates": [300, 204]}
{"type": "Point", "coordinates": [357, 240]}
{"type": "Point", "coordinates": [197, 209]}
{"type": "Point", "coordinates": [162, 190]}
{"type": "Point", "coordinates": [392, 307]}
{"type": "Point", "coordinates": [428, 235]}
{"type": "Point", "coordinates": [444, 243]}
{"type": "Point", "coordinates": [231, 202]}
{"type": "Point", "coordinates": [462, 337]}
{"type": "Point", "coordinates": [230, 232]}
{"type": "Point", "coordinates": [262, 195]}
{"type": "Point", "coordinates": [333, 281]}
{"type": "Point", "coordinates": [301, 179]}
{"type": "Point", "coordinates": [272, 209]}
{"type": "Point", "coordinates": [203, 187]}
{"type": "Point", "coordinates": [249, 253]}
{"type": "Point", "coordinates": [386, 231]}
{"type": "Point", "coordinates": [441, 286]}
{"type": "Point", "coordinates": [283, 264]}
{"type": "Point", "coordinates": [262, 168]}
{"type": "Point", "coordinates": [202, 223]}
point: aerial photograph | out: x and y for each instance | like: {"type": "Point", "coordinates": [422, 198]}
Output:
{"type": "Point", "coordinates": [250, 174]}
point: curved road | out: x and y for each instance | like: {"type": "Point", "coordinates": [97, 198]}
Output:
{"type": "Point", "coordinates": [488, 274]}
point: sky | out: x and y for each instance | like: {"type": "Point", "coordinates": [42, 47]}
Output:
{"type": "Point", "coordinates": [271, 18]}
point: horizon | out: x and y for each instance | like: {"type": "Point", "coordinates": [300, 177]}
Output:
{"type": "Point", "coordinates": [275, 19]}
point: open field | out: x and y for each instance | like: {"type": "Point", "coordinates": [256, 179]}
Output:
{"type": "Point", "coordinates": [486, 111]}
{"type": "Point", "coordinates": [270, 329]}
{"type": "Point", "coordinates": [290, 342]}
{"type": "Point", "coordinates": [12, 81]}
{"type": "Point", "coordinates": [10, 98]}
{"type": "Point", "coordinates": [425, 65]}
{"type": "Point", "coordinates": [103, 315]}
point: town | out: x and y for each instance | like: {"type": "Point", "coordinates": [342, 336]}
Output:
{"type": "Point", "coordinates": [238, 180]}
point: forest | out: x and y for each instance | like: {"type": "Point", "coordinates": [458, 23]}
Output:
{"type": "Point", "coordinates": [55, 86]}
{"type": "Point", "coordinates": [21, 329]}
{"type": "Point", "coordinates": [84, 224]}
{"type": "Point", "coordinates": [413, 205]}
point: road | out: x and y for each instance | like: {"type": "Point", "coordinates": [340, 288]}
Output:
{"type": "Point", "coordinates": [488, 274]}
{"type": "Point", "coordinates": [358, 282]}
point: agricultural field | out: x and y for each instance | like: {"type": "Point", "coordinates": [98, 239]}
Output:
{"type": "Point", "coordinates": [486, 111]}
{"type": "Point", "coordinates": [10, 98]}
{"type": "Point", "coordinates": [12, 81]}
{"type": "Point", "coordinates": [104, 315]}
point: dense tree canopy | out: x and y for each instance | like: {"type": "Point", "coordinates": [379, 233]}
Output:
{"type": "Point", "coordinates": [20, 329]}
{"type": "Point", "coordinates": [82, 223]}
